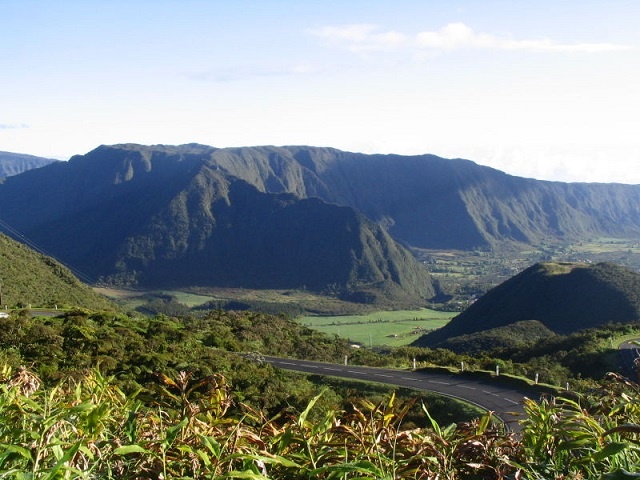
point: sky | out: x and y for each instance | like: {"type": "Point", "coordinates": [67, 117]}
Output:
{"type": "Point", "coordinates": [547, 89]}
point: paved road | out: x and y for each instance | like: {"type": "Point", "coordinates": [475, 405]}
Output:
{"type": "Point", "coordinates": [629, 353]}
{"type": "Point", "coordinates": [505, 401]}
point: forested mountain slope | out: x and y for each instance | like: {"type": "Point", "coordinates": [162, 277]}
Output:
{"type": "Point", "coordinates": [431, 202]}
{"type": "Point", "coordinates": [15, 163]}
{"type": "Point", "coordinates": [29, 278]}
{"type": "Point", "coordinates": [170, 217]}
{"type": "Point", "coordinates": [290, 217]}
{"type": "Point", "coordinates": [564, 297]}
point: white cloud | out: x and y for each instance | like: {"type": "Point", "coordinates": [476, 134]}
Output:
{"type": "Point", "coordinates": [12, 126]}
{"type": "Point", "coordinates": [363, 37]}
{"type": "Point", "coordinates": [453, 36]}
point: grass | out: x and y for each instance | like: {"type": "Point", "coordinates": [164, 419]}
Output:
{"type": "Point", "coordinates": [617, 341]}
{"type": "Point", "coordinates": [193, 297]}
{"type": "Point", "coordinates": [393, 328]}
{"type": "Point", "coordinates": [135, 298]}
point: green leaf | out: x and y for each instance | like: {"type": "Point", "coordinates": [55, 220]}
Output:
{"type": "Point", "coordinates": [611, 449]}
{"type": "Point", "coordinates": [8, 449]}
{"type": "Point", "coordinates": [130, 426]}
{"type": "Point", "coordinates": [88, 453]}
{"type": "Point", "coordinates": [212, 445]}
{"type": "Point", "coordinates": [82, 407]}
{"type": "Point", "coordinates": [277, 459]}
{"type": "Point", "coordinates": [245, 474]}
{"type": "Point", "coordinates": [172, 432]}
{"type": "Point", "coordinates": [64, 459]}
{"type": "Point", "coordinates": [362, 467]}
{"type": "Point", "coordinates": [303, 416]}
{"type": "Point", "coordinates": [434, 425]}
{"type": "Point", "coordinates": [484, 423]}
{"type": "Point", "coordinates": [126, 449]}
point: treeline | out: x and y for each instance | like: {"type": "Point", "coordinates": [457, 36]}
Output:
{"type": "Point", "coordinates": [580, 358]}
{"type": "Point", "coordinates": [135, 350]}
{"type": "Point", "coordinates": [291, 310]}
{"type": "Point", "coordinates": [138, 397]}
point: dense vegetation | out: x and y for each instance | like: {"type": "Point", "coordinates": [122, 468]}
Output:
{"type": "Point", "coordinates": [136, 349]}
{"type": "Point", "coordinates": [111, 395]}
{"type": "Point", "coordinates": [87, 427]}
{"type": "Point", "coordinates": [563, 297]}
{"type": "Point", "coordinates": [581, 358]}
{"type": "Point", "coordinates": [28, 278]}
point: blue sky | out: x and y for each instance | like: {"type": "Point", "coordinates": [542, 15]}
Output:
{"type": "Point", "coordinates": [543, 89]}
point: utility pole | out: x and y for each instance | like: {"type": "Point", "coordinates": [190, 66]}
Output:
{"type": "Point", "coordinates": [1, 293]}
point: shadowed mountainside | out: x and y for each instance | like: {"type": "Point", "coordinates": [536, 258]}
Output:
{"type": "Point", "coordinates": [16, 163]}
{"type": "Point", "coordinates": [563, 297]}
{"type": "Point", "coordinates": [429, 202]}
{"type": "Point", "coordinates": [169, 217]}
{"type": "Point", "coordinates": [291, 217]}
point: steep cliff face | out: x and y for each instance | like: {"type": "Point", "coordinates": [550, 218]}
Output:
{"type": "Point", "coordinates": [16, 163]}
{"type": "Point", "coordinates": [430, 202]}
{"type": "Point", "coordinates": [171, 216]}
{"type": "Point", "coordinates": [139, 213]}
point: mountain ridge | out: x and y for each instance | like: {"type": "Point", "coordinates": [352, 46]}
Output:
{"type": "Point", "coordinates": [194, 222]}
{"type": "Point", "coordinates": [16, 163]}
{"type": "Point", "coordinates": [181, 195]}
{"type": "Point", "coordinates": [564, 297]}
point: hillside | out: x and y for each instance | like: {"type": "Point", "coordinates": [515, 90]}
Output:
{"type": "Point", "coordinates": [28, 278]}
{"type": "Point", "coordinates": [131, 398]}
{"type": "Point", "coordinates": [430, 202]}
{"type": "Point", "coordinates": [424, 201]}
{"type": "Point", "coordinates": [293, 217]}
{"type": "Point", "coordinates": [15, 163]}
{"type": "Point", "coordinates": [517, 335]}
{"type": "Point", "coordinates": [196, 225]}
{"type": "Point", "coordinates": [564, 297]}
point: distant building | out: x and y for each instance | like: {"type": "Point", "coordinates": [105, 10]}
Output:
{"type": "Point", "coordinates": [4, 315]}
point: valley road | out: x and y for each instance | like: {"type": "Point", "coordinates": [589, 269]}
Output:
{"type": "Point", "coordinates": [630, 358]}
{"type": "Point", "coordinates": [490, 394]}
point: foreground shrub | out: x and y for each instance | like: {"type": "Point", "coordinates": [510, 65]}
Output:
{"type": "Point", "coordinates": [189, 428]}
{"type": "Point", "coordinates": [586, 436]}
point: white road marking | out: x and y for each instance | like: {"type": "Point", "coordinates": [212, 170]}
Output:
{"type": "Point", "coordinates": [491, 393]}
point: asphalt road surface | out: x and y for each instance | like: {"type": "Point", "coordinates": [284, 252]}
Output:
{"type": "Point", "coordinates": [629, 355]}
{"type": "Point", "coordinates": [504, 401]}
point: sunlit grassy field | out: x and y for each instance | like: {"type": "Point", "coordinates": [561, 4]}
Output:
{"type": "Point", "coordinates": [394, 328]}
